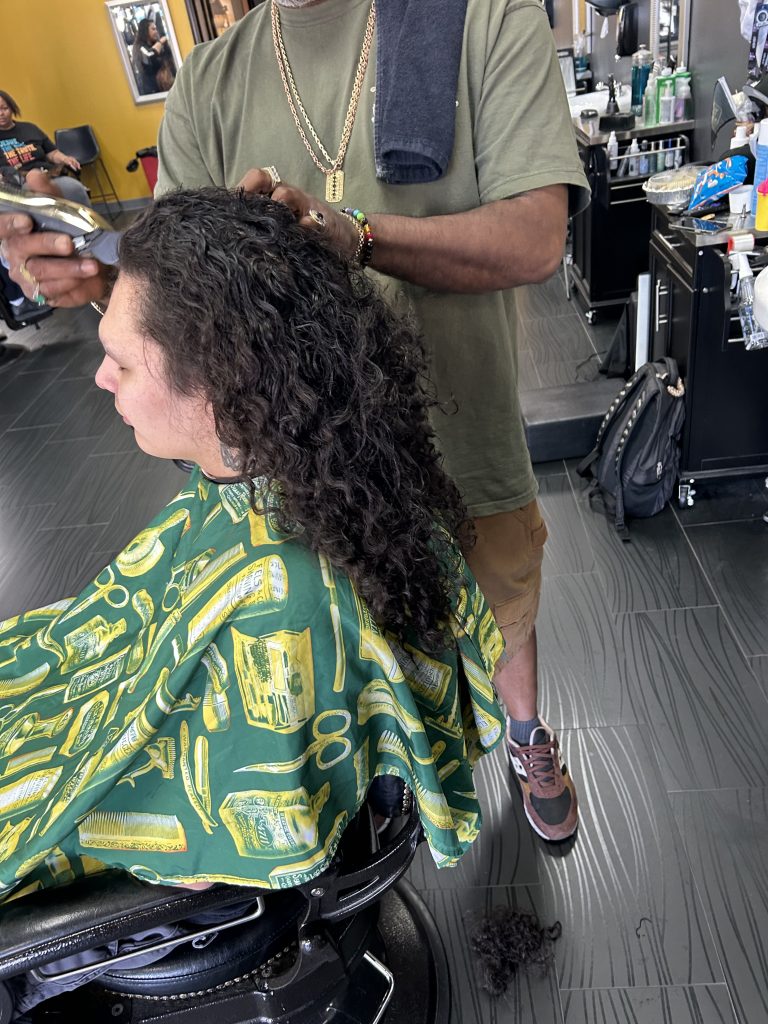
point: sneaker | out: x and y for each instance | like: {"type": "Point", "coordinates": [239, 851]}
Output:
{"type": "Point", "coordinates": [549, 795]}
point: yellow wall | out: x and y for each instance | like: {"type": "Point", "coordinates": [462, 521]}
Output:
{"type": "Point", "coordinates": [61, 64]}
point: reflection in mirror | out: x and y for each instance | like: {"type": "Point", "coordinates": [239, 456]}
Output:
{"type": "Point", "coordinates": [668, 20]}
{"type": "Point", "coordinates": [669, 29]}
{"type": "Point", "coordinates": [147, 45]}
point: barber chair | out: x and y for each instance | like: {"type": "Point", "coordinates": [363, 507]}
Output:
{"type": "Point", "coordinates": [354, 946]}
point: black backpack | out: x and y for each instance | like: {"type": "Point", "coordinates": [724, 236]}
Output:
{"type": "Point", "coordinates": [634, 464]}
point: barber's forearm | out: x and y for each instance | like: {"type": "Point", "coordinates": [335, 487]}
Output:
{"type": "Point", "coordinates": [500, 245]}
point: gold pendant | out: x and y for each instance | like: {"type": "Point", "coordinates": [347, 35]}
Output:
{"type": "Point", "coordinates": [334, 186]}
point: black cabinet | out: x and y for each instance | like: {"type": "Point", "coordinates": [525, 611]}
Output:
{"type": "Point", "coordinates": [694, 320]}
{"type": "Point", "coordinates": [610, 238]}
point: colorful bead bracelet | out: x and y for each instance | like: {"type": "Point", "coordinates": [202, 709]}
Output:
{"type": "Point", "coordinates": [364, 252]}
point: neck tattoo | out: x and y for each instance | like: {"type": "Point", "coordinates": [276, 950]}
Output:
{"type": "Point", "coordinates": [231, 458]}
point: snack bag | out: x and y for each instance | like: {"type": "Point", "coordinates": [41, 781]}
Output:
{"type": "Point", "coordinates": [717, 181]}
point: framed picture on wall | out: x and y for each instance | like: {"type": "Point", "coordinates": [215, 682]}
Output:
{"type": "Point", "coordinates": [147, 45]}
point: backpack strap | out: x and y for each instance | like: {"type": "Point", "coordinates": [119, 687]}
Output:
{"type": "Point", "coordinates": [584, 467]}
{"type": "Point", "coordinates": [619, 521]}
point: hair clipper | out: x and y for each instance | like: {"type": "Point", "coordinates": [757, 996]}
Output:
{"type": "Point", "coordinates": [91, 235]}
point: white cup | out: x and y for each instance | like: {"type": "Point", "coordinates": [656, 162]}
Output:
{"type": "Point", "coordinates": [740, 199]}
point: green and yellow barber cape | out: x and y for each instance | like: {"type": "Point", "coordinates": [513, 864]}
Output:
{"type": "Point", "coordinates": [215, 704]}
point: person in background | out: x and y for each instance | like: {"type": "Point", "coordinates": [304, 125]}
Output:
{"type": "Point", "coordinates": [150, 55]}
{"type": "Point", "coordinates": [30, 158]}
{"type": "Point", "coordinates": [27, 158]}
{"type": "Point", "coordinates": [444, 160]}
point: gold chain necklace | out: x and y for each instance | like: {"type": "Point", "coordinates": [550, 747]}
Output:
{"type": "Point", "coordinates": [334, 175]}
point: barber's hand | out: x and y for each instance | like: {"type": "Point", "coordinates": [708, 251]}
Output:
{"type": "Point", "coordinates": [48, 257]}
{"type": "Point", "coordinates": [311, 212]}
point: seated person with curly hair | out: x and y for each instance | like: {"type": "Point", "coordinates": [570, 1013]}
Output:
{"type": "Point", "coordinates": [297, 620]}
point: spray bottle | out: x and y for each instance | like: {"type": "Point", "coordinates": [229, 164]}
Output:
{"type": "Point", "coordinates": [754, 336]}
{"type": "Point", "coordinates": [612, 149]}
{"type": "Point", "coordinates": [761, 161]}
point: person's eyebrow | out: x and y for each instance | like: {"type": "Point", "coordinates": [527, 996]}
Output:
{"type": "Point", "coordinates": [107, 350]}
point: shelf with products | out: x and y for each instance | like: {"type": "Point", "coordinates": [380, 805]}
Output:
{"type": "Point", "coordinates": [610, 238]}
{"type": "Point", "coordinates": [640, 132]}
{"type": "Point", "coordinates": [671, 152]}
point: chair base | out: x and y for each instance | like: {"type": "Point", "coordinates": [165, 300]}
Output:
{"type": "Point", "coordinates": [401, 978]}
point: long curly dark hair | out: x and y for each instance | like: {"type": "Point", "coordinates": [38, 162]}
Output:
{"type": "Point", "coordinates": [318, 386]}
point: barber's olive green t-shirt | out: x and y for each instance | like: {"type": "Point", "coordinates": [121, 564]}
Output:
{"type": "Point", "coordinates": [228, 112]}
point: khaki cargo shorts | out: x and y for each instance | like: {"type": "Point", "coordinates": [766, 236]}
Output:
{"type": "Point", "coordinates": [506, 560]}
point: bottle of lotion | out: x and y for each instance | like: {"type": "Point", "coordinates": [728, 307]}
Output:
{"type": "Point", "coordinates": [612, 150]}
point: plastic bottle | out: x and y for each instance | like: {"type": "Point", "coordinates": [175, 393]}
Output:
{"type": "Point", "coordinates": [683, 101]}
{"type": "Point", "coordinates": [612, 149]}
{"type": "Point", "coordinates": [753, 334]}
{"type": "Point", "coordinates": [667, 103]}
{"type": "Point", "coordinates": [661, 159]}
{"type": "Point", "coordinates": [634, 156]}
{"type": "Point", "coordinates": [662, 80]}
{"type": "Point", "coordinates": [761, 217]}
{"type": "Point", "coordinates": [669, 156]}
{"type": "Point", "coordinates": [641, 69]}
{"type": "Point", "coordinates": [761, 161]}
{"type": "Point", "coordinates": [740, 137]}
{"type": "Point", "coordinates": [682, 76]}
{"type": "Point", "coordinates": [643, 163]}
{"type": "Point", "coordinates": [649, 103]}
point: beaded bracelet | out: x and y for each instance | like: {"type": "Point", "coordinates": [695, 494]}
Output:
{"type": "Point", "coordinates": [364, 252]}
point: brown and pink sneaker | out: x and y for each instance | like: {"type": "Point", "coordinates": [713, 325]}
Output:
{"type": "Point", "coordinates": [549, 795]}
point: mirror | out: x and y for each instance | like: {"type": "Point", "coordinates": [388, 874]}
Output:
{"type": "Point", "coordinates": [147, 45]}
{"type": "Point", "coordinates": [669, 29]}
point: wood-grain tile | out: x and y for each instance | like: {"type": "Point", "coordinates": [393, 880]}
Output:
{"type": "Point", "coordinates": [759, 668]}
{"type": "Point", "coordinates": [23, 391]}
{"type": "Point", "coordinates": [554, 339]}
{"type": "Point", "coordinates": [17, 526]}
{"type": "Point", "coordinates": [92, 417]}
{"type": "Point", "coordinates": [554, 468]}
{"type": "Point", "coordinates": [527, 376]}
{"type": "Point", "coordinates": [567, 549]}
{"type": "Point", "coordinates": [85, 361]}
{"type": "Point", "coordinates": [32, 470]}
{"type": "Point", "coordinates": [689, 681]}
{"type": "Point", "coordinates": [505, 851]}
{"type": "Point", "coordinates": [581, 680]}
{"type": "Point", "coordinates": [625, 894]}
{"type": "Point", "coordinates": [106, 486]}
{"type": "Point", "coordinates": [726, 837]}
{"type": "Point", "coordinates": [150, 485]}
{"type": "Point", "coordinates": [553, 373]}
{"type": "Point", "coordinates": [6, 419]}
{"type": "Point", "coordinates": [53, 404]}
{"type": "Point", "coordinates": [55, 354]}
{"type": "Point", "coordinates": [735, 557]}
{"type": "Point", "coordinates": [530, 999]}
{"type": "Point", "coordinates": [54, 564]}
{"type": "Point", "coordinates": [543, 301]}
{"type": "Point", "coordinates": [700, 1004]}
{"type": "Point", "coordinates": [117, 438]}
{"type": "Point", "coordinates": [657, 569]}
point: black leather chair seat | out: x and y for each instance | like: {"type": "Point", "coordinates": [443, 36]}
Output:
{"type": "Point", "coordinates": [314, 955]}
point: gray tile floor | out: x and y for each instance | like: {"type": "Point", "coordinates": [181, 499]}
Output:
{"type": "Point", "coordinates": [654, 667]}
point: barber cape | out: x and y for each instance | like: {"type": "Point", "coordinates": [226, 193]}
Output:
{"type": "Point", "coordinates": [215, 704]}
